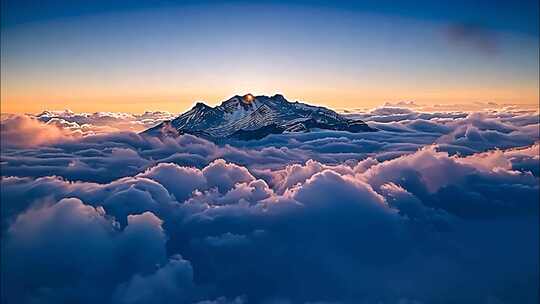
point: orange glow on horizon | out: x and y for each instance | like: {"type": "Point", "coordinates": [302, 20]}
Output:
{"type": "Point", "coordinates": [19, 101]}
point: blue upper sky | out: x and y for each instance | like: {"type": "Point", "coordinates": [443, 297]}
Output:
{"type": "Point", "coordinates": [136, 55]}
{"type": "Point", "coordinates": [519, 15]}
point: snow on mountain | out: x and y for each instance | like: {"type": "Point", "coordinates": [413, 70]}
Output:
{"type": "Point", "coordinates": [251, 117]}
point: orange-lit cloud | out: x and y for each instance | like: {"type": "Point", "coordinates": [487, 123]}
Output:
{"type": "Point", "coordinates": [23, 132]}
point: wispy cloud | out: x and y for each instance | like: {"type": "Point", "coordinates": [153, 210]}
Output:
{"type": "Point", "coordinates": [473, 35]}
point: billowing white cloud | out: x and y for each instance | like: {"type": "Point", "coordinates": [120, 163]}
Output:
{"type": "Point", "coordinates": [435, 207]}
{"type": "Point", "coordinates": [24, 132]}
{"type": "Point", "coordinates": [102, 122]}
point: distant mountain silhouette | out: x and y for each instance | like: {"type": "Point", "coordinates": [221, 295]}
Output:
{"type": "Point", "coordinates": [253, 117]}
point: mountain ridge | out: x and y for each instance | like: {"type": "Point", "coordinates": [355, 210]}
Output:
{"type": "Point", "coordinates": [253, 117]}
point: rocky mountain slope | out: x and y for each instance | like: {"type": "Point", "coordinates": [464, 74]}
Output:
{"type": "Point", "coordinates": [253, 117]}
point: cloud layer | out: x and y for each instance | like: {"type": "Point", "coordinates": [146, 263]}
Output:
{"type": "Point", "coordinates": [102, 122]}
{"type": "Point", "coordinates": [433, 208]}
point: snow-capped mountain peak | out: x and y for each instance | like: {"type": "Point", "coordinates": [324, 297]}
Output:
{"type": "Point", "coordinates": [249, 117]}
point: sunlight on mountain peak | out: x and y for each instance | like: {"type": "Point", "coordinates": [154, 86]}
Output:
{"type": "Point", "coordinates": [248, 98]}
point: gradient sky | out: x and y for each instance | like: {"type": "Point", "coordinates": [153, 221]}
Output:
{"type": "Point", "coordinates": [133, 56]}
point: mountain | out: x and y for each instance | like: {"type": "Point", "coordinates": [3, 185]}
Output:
{"type": "Point", "coordinates": [253, 117]}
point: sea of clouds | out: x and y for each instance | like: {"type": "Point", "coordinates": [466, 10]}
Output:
{"type": "Point", "coordinates": [435, 207]}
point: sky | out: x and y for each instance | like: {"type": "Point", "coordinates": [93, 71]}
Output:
{"type": "Point", "coordinates": [133, 56]}
{"type": "Point", "coordinates": [447, 186]}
